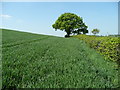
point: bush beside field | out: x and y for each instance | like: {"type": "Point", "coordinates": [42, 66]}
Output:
{"type": "Point", "coordinates": [107, 46]}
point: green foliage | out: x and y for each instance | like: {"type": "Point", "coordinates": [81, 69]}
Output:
{"type": "Point", "coordinates": [68, 22]}
{"type": "Point", "coordinates": [0, 58]}
{"type": "Point", "coordinates": [117, 35]}
{"type": "Point", "coordinates": [107, 46]}
{"type": "Point", "coordinates": [95, 31]}
{"type": "Point", "coordinates": [41, 61]}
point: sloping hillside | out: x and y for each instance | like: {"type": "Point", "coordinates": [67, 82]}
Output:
{"type": "Point", "coordinates": [41, 61]}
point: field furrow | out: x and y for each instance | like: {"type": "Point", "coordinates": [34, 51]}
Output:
{"type": "Point", "coordinates": [22, 42]}
{"type": "Point", "coordinates": [54, 62]}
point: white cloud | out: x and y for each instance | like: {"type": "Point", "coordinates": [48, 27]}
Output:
{"type": "Point", "coordinates": [5, 16]}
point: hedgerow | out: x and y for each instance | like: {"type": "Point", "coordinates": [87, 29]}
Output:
{"type": "Point", "coordinates": [105, 45]}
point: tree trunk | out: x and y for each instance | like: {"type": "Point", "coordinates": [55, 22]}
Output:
{"type": "Point", "coordinates": [68, 32]}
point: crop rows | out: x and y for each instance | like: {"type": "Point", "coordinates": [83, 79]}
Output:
{"type": "Point", "coordinates": [54, 62]}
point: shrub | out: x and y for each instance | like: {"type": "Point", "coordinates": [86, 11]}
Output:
{"type": "Point", "coordinates": [107, 46]}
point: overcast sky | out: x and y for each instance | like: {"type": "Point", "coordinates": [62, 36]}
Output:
{"type": "Point", "coordinates": [38, 17]}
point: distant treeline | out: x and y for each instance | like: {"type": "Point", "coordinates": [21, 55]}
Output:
{"type": "Point", "coordinates": [116, 35]}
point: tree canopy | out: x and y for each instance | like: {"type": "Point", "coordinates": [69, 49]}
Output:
{"type": "Point", "coordinates": [70, 23]}
{"type": "Point", "coordinates": [95, 31]}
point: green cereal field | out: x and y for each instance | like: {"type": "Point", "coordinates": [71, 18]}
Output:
{"type": "Point", "coordinates": [42, 61]}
